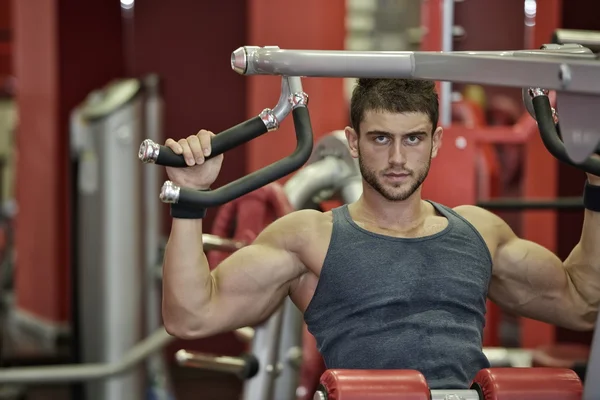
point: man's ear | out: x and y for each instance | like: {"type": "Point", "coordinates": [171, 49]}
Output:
{"type": "Point", "coordinates": [352, 137]}
{"type": "Point", "coordinates": [436, 141]}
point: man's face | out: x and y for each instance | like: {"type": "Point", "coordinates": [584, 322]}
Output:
{"type": "Point", "coordinates": [394, 151]}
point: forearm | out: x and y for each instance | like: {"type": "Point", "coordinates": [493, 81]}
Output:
{"type": "Point", "coordinates": [583, 264]}
{"type": "Point", "coordinates": [187, 282]}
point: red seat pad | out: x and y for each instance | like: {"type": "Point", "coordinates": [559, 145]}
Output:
{"type": "Point", "coordinates": [529, 384]}
{"type": "Point", "coordinates": [356, 384]}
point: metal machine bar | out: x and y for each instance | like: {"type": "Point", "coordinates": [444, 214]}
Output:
{"type": "Point", "coordinates": [86, 372]}
{"type": "Point", "coordinates": [589, 39]}
{"type": "Point", "coordinates": [447, 45]}
{"type": "Point", "coordinates": [231, 365]}
{"type": "Point", "coordinates": [564, 203]}
{"type": "Point", "coordinates": [214, 242]}
{"type": "Point", "coordinates": [290, 352]}
{"type": "Point", "coordinates": [535, 68]}
{"type": "Point", "coordinates": [454, 394]}
{"type": "Point", "coordinates": [159, 382]}
{"type": "Point", "coordinates": [245, 334]}
{"type": "Point", "coordinates": [265, 347]}
{"type": "Point", "coordinates": [591, 389]}
{"type": "Point", "coordinates": [313, 178]}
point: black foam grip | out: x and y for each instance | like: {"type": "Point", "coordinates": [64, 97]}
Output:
{"type": "Point", "coordinates": [251, 366]}
{"type": "Point", "coordinates": [591, 197]}
{"type": "Point", "coordinates": [262, 177]}
{"type": "Point", "coordinates": [221, 143]}
{"type": "Point", "coordinates": [551, 138]}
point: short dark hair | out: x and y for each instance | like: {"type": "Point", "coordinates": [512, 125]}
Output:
{"type": "Point", "coordinates": [393, 95]}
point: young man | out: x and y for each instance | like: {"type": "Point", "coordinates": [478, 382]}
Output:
{"type": "Point", "coordinates": [391, 281]}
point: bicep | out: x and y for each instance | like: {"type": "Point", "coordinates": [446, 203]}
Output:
{"type": "Point", "coordinates": [529, 280]}
{"type": "Point", "coordinates": [250, 284]}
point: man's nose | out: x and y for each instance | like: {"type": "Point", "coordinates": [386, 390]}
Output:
{"type": "Point", "coordinates": [397, 153]}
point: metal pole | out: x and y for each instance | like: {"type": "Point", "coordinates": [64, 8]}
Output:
{"type": "Point", "coordinates": [231, 365]}
{"type": "Point", "coordinates": [290, 353]}
{"type": "Point", "coordinates": [591, 389]}
{"type": "Point", "coordinates": [110, 246]}
{"type": "Point", "coordinates": [265, 347]}
{"type": "Point", "coordinates": [447, 45]}
{"type": "Point", "coordinates": [89, 372]}
{"type": "Point", "coordinates": [526, 68]}
{"type": "Point", "coordinates": [564, 203]}
{"type": "Point", "coordinates": [158, 377]}
{"type": "Point", "coordinates": [214, 242]}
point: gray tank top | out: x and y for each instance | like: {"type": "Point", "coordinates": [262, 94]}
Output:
{"type": "Point", "coordinates": [395, 303]}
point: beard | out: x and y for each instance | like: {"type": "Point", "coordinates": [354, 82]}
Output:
{"type": "Point", "coordinates": [394, 192]}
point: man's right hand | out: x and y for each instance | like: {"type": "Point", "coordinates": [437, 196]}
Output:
{"type": "Point", "coordinates": [200, 173]}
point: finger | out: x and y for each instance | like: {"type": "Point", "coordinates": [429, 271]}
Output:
{"type": "Point", "coordinates": [205, 137]}
{"type": "Point", "coordinates": [173, 145]}
{"type": "Point", "coordinates": [196, 149]}
{"type": "Point", "coordinates": [187, 152]}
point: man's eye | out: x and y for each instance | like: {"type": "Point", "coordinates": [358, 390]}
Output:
{"type": "Point", "coordinates": [413, 139]}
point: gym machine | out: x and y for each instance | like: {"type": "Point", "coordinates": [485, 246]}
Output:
{"type": "Point", "coordinates": [116, 243]}
{"type": "Point", "coordinates": [570, 69]}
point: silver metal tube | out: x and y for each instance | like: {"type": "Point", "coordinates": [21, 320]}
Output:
{"type": "Point", "coordinates": [245, 334]}
{"type": "Point", "coordinates": [214, 242]}
{"type": "Point", "coordinates": [265, 347]}
{"type": "Point", "coordinates": [510, 70]}
{"type": "Point", "coordinates": [232, 365]}
{"type": "Point", "coordinates": [86, 372]}
{"type": "Point", "coordinates": [589, 39]}
{"type": "Point", "coordinates": [592, 383]}
{"type": "Point", "coordinates": [503, 68]}
{"type": "Point", "coordinates": [352, 189]}
{"type": "Point", "coordinates": [326, 63]}
{"type": "Point", "coordinates": [158, 376]}
{"type": "Point", "coordinates": [447, 46]}
{"type": "Point", "coordinates": [320, 175]}
{"type": "Point", "coordinates": [513, 357]}
{"type": "Point", "coordinates": [110, 232]}
{"type": "Point", "coordinates": [319, 395]}
{"type": "Point", "coordinates": [283, 106]}
{"type": "Point", "coordinates": [454, 394]}
{"type": "Point", "coordinates": [290, 348]}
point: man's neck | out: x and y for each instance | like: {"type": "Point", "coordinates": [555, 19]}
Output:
{"type": "Point", "coordinates": [373, 208]}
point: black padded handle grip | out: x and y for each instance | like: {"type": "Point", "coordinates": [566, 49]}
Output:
{"type": "Point", "coordinates": [262, 177]}
{"type": "Point", "coordinates": [551, 138]}
{"type": "Point", "coordinates": [251, 366]}
{"type": "Point", "coordinates": [221, 143]}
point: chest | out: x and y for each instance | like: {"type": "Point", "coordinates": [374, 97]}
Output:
{"type": "Point", "coordinates": [449, 272]}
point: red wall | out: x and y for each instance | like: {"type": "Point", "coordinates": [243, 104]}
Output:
{"type": "Point", "coordinates": [56, 69]}
{"type": "Point", "coordinates": [189, 44]}
{"type": "Point", "coordinates": [308, 24]}
{"type": "Point", "coordinates": [5, 39]}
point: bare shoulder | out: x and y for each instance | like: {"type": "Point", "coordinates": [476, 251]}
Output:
{"type": "Point", "coordinates": [296, 230]}
{"type": "Point", "coordinates": [493, 228]}
{"type": "Point", "coordinates": [479, 217]}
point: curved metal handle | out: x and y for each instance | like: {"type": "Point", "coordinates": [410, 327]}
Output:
{"type": "Point", "coordinates": [172, 193]}
{"type": "Point", "coordinates": [268, 120]}
{"type": "Point", "coordinates": [154, 153]}
{"type": "Point", "coordinates": [245, 366]}
{"type": "Point", "coordinates": [551, 137]}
